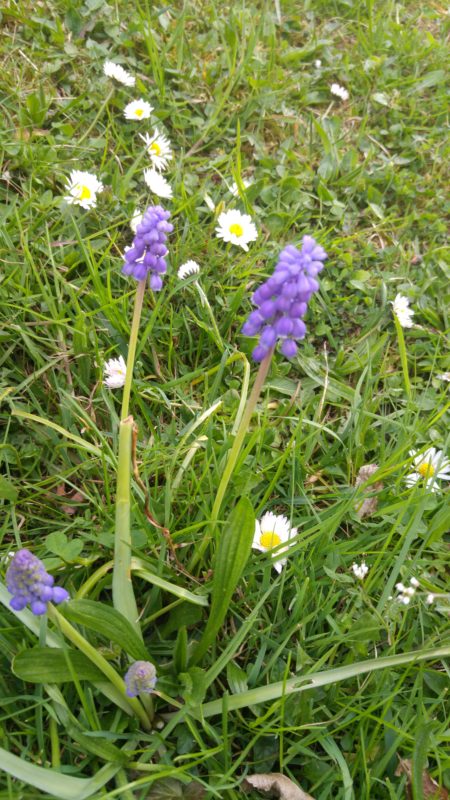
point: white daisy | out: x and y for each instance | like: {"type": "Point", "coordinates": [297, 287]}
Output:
{"type": "Point", "coordinates": [444, 376]}
{"type": "Point", "coordinates": [83, 188]}
{"type": "Point", "coordinates": [138, 109]}
{"type": "Point", "coordinates": [113, 70]}
{"type": "Point", "coordinates": [136, 219]}
{"type": "Point", "coordinates": [428, 467]}
{"type": "Point", "coordinates": [157, 184]}
{"type": "Point", "coordinates": [270, 531]}
{"type": "Point", "coordinates": [187, 269]}
{"type": "Point", "coordinates": [360, 570]}
{"type": "Point", "coordinates": [401, 309]}
{"type": "Point", "coordinates": [158, 148]}
{"type": "Point", "coordinates": [339, 91]}
{"type": "Point", "coordinates": [115, 373]}
{"type": "Point", "coordinates": [237, 228]}
{"type": "Point", "coordinates": [234, 189]}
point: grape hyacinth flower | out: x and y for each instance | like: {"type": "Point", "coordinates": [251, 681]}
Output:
{"type": "Point", "coordinates": [283, 299]}
{"type": "Point", "coordinates": [29, 582]}
{"type": "Point", "coordinates": [141, 677]}
{"type": "Point", "coordinates": [148, 251]}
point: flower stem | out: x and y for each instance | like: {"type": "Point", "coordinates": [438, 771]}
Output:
{"type": "Point", "coordinates": [97, 117]}
{"type": "Point", "coordinates": [403, 356]}
{"type": "Point", "coordinates": [138, 301]}
{"type": "Point", "coordinates": [93, 654]}
{"type": "Point", "coordinates": [233, 455]}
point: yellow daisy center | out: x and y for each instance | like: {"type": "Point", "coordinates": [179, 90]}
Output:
{"type": "Point", "coordinates": [85, 192]}
{"type": "Point", "coordinates": [269, 539]}
{"type": "Point", "coordinates": [426, 470]}
{"type": "Point", "coordinates": [156, 148]}
{"type": "Point", "coordinates": [236, 229]}
{"type": "Point", "coordinates": [139, 112]}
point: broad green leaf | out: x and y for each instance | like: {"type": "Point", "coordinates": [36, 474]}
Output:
{"type": "Point", "coordinates": [107, 622]}
{"type": "Point", "coordinates": [232, 554]}
{"type": "Point", "coordinates": [194, 685]}
{"type": "Point", "coordinates": [170, 789]}
{"type": "Point", "coordinates": [49, 665]}
{"type": "Point", "coordinates": [7, 490]}
{"type": "Point", "coordinates": [58, 543]}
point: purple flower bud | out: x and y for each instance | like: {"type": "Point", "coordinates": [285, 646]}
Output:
{"type": "Point", "coordinates": [29, 583]}
{"type": "Point", "coordinates": [283, 299]}
{"type": "Point", "coordinates": [146, 255]}
{"type": "Point", "coordinates": [141, 677]}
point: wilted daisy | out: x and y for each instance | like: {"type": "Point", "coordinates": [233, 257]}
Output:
{"type": "Point", "coordinates": [136, 219]}
{"type": "Point", "coordinates": [401, 309]}
{"type": "Point", "coordinates": [158, 148]}
{"type": "Point", "coordinates": [429, 466]}
{"type": "Point", "coordinates": [83, 188]}
{"type": "Point", "coordinates": [115, 373]}
{"type": "Point", "coordinates": [360, 570]}
{"type": "Point", "coordinates": [339, 91]}
{"type": "Point", "coordinates": [138, 109]}
{"type": "Point", "coordinates": [113, 70]}
{"type": "Point", "coordinates": [237, 228]}
{"type": "Point", "coordinates": [234, 189]}
{"type": "Point", "coordinates": [270, 531]}
{"type": "Point", "coordinates": [187, 269]}
{"type": "Point", "coordinates": [157, 184]}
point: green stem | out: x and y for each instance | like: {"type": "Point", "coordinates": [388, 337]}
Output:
{"type": "Point", "coordinates": [97, 117]}
{"type": "Point", "coordinates": [93, 654]}
{"type": "Point", "coordinates": [403, 356]}
{"type": "Point", "coordinates": [234, 454]}
{"type": "Point", "coordinates": [138, 301]}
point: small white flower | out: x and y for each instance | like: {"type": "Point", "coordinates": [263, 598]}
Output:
{"type": "Point", "coordinates": [400, 587]}
{"type": "Point", "coordinates": [158, 148]}
{"type": "Point", "coordinates": [136, 219]}
{"type": "Point", "coordinates": [157, 184]}
{"type": "Point", "coordinates": [415, 583]}
{"type": "Point", "coordinates": [404, 599]}
{"type": "Point", "coordinates": [138, 109]}
{"type": "Point", "coordinates": [339, 91]}
{"type": "Point", "coordinates": [234, 189]}
{"type": "Point", "coordinates": [83, 188]}
{"type": "Point", "coordinates": [409, 591]}
{"type": "Point", "coordinates": [430, 598]}
{"type": "Point", "coordinates": [318, 64]}
{"type": "Point", "coordinates": [270, 531]}
{"type": "Point", "coordinates": [429, 467]}
{"type": "Point", "coordinates": [237, 228]}
{"type": "Point", "coordinates": [189, 268]}
{"type": "Point", "coordinates": [444, 376]}
{"type": "Point", "coordinates": [113, 70]}
{"type": "Point", "coordinates": [401, 309]}
{"type": "Point", "coordinates": [360, 570]}
{"type": "Point", "coordinates": [115, 373]}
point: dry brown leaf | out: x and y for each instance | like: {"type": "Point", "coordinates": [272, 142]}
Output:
{"type": "Point", "coordinates": [277, 784]}
{"type": "Point", "coordinates": [369, 505]}
{"type": "Point", "coordinates": [73, 496]}
{"type": "Point", "coordinates": [431, 789]}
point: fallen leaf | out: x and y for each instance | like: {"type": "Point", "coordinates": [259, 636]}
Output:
{"type": "Point", "coordinates": [431, 789]}
{"type": "Point", "coordinates": [369, 505]}
{"type": "Point", "coordinates": [277, 784]}
{"type": "Point", "coordinates": [73, 496]}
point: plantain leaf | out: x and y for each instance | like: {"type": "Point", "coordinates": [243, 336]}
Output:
{"type": "Point", "coordinates": [107, 622]}
{"type": "Point", "coordinates": [52, 665]}
{"type": "Point", "coordinates": [232, 554]}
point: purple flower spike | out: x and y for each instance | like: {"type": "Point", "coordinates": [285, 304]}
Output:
{"type": "Point", "coordinates": [29, 583]}
{"type": "Point", "coordinates": [283, 299]}
{"type": "Point", "coordinates": [147, 253]}
{"type": "Point", "coordinates": [141, 677]}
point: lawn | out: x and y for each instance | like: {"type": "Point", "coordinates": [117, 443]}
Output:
{"type": "Point", "coordinates": [281, 560]}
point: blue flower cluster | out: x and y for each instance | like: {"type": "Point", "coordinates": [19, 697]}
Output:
{"type": "Point", "coordinates": [29, 582]}
{"type": "Point", "coordinates": [141, 677]}
{"type": "Point", "coordinates": [147, 252]}
{"type": "Point", "coordinates": [283, 299]}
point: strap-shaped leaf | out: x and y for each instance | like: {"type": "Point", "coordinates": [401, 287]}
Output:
{"type": "Point", "coordinates": [52, 665]}
{"type": "Point", "coordinates": [107, 622]}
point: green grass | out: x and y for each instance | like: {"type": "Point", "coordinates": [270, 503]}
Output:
{"type": "Point", "coordinates": [238, 94]}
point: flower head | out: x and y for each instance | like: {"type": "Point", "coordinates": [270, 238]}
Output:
{"type": "Point", "coordinates": [113, 70]}
{"type": "Point", "coordinates": [360, 570]}
{"type": "Point", "coordinates": [83, 188]}
{"type": "Point", "coordinates": [401, 309]}
{"type": "Point", "coordinates": [157, 184]}
{"type": "Point", "coordinates": [444, 376]}
{"type": "Point", "coordinates": [141, 677]}
{"type": "Point", "coordinates": [138, 109]}
{"type": "Point", "coordinates": [115, 373]}
{"type": "Point", "coordinates": [29, 582]}
{"type": "Point", "coordinates": [158, 148]}
{"type": "Point", "coordinates": [270, 531]}
{"type": "Point", "coordinates": [237, 228]}
{"type": "Point", "coordinates": [405, 593]}
{"type": "Point", "coordinates": [339, 91]}
{"type": "Point", "coordinates": [187, 269]}
{"type": "Point", "coordinates": [428, 467]}
{"type": "Point", "coordinates": [148, 251]}
{"type": "Point", "coordinates": [283, 299]}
